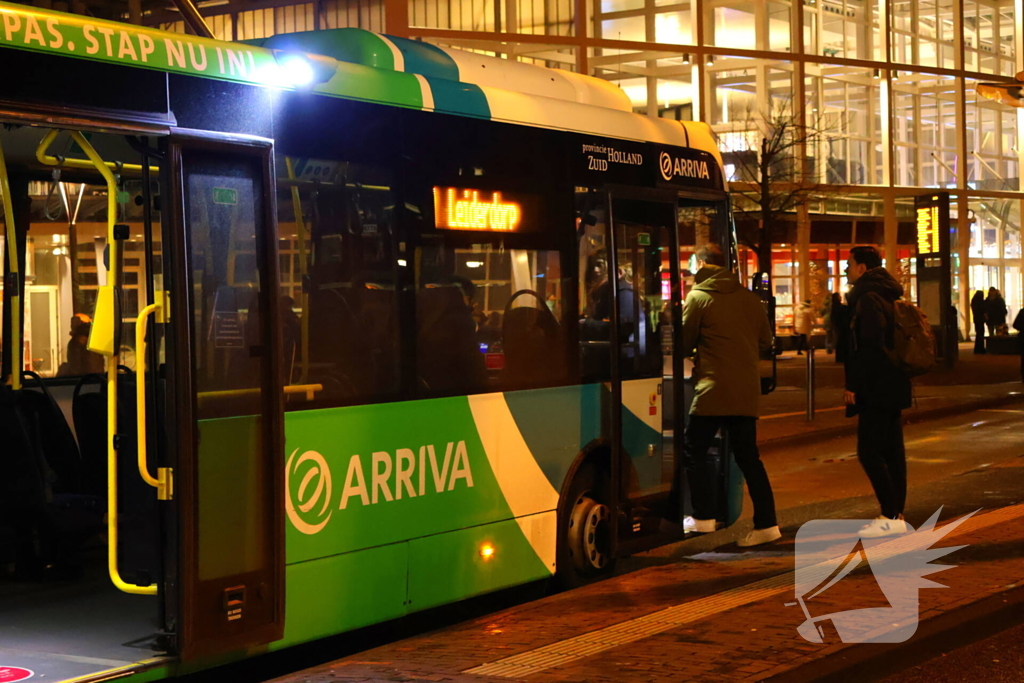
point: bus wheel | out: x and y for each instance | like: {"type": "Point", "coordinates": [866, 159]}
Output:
{"type": "Point", "coordinates": [585, 552]}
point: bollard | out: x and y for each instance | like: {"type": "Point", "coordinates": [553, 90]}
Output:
{"type": "Point", "coordinates": [810, 383]}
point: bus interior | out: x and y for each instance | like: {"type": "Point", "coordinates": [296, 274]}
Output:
{"type": "Point", "coordinates": [61, 616]}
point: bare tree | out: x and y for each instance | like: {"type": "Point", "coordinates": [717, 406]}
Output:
{"type": "Point", "coordinates": [778, 167]}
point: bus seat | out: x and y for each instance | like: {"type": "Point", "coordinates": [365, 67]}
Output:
{"type": "Point", "coordinates": [47, 527]}
{"type": "Point", "coordinates": [25, 476]}
{"type": "Point", "coordinates": [448, 354]}
{"type": "Point", "coordinates": [89, 414]}
{"type": "Point", "coordinates": [138, 531]}
{"type": "Point", "coordinates": [52, 434]}
{"type": "Point", "coordinates": [532, 342]}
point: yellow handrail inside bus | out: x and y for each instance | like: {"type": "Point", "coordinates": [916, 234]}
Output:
{"type": "Point", "coordinates": [308, 389]}
{"type": "Point", "coordinates": [300, 224]}
{"type": "Point", "coordinates": [164, 480]}
{"type": "Point", "coordinates": [43, 158]}
{"type": "Point", "coordinates": [12, 256]}
{"type": "Point", "coordinates": [112, 362]}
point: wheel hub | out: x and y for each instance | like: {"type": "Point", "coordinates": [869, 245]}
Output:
{"type": "Point", "coordinates": [589, 535]}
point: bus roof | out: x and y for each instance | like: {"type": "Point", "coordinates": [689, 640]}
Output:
{"type": "Point", "coordinates": [358, 64]}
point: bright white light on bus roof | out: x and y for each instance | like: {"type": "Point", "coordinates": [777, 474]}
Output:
{"type": "Point", "coordinates": [402, 262]}
{"type": "Point", "coordinates": [474, 264]}
{"type": "Point", "coordinates": [296, 71]}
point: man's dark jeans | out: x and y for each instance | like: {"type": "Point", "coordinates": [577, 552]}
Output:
{"type": "Point", "coordinates": [881, 454]}
{"type": "Point", "coordinates": [742, 431]}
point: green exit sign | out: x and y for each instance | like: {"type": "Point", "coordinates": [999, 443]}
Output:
{"type": "Point", "coordinates": [225, 195]}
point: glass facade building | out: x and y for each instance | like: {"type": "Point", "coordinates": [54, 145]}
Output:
{"type": "Point", "coordinates": [891, 83]}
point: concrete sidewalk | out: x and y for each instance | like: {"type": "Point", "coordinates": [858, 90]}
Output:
{"type": "Point", "coordinates": [975, 382]}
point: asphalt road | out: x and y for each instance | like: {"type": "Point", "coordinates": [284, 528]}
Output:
{"type": "Point", "coordinates": [961, 463]}
{"type": "Point", "coordinates": [947, 460]}
{"type": "Point", "coordinates": [996, 659]}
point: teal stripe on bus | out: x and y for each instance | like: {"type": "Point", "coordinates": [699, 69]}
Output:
{"type": "Point", "coordinates": [425, 59]}
{"type": "Point", "coordinates": [459, 98]}
{"type": "Point", "coordinates": [556, 423]}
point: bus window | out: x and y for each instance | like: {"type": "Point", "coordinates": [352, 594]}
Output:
{"type": "Point", "coordinates": [488, 319]}
{"type": "Point", "coordinates": [66, 262]}
{"type": "Point", "coordinates": [338, 296]}
{"type": "Point", "coordinates": [700, 223]}
{"type": "Point", "coordinates": [641, 281]}
{"type": "Point", "coordinates": [641, 297]}
{"type": "Point", "coordinates": [595, 323]}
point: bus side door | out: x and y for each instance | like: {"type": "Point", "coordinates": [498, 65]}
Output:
{"type": "Point", "coordinates": [229, 489]}
{"type": "Point", "coordinates": [645, 394]}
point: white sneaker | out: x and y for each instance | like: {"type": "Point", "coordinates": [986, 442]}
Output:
{"type": "Point", "coordinates": [883, 526]}
{"type": "Point", "coordinates": [876, 519]}
{"type": "Point", "coordinates": [699, 526]}
{"type": "Point", "coordinates": [759, 536]}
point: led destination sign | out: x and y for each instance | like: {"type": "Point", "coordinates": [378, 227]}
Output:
{"type": "Point", "coordinates": [928, 230]}
{"type": "Point", "coordinates": [460, 209]}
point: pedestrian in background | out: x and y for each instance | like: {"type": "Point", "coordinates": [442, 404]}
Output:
{"type": "Point", "coordinates": [1018, 324]}
{"type": "Point", "coordinates": [876, 390]}
{"type": "Point", "coordinates": [725, 327]}
{"type": "Point", "coordinates": [839, 322]}
{"type": "Point", "coordinates": [802, 324]}
{"type": "Point", "coordinates": [978, 313]}
{"type": "Point", "coordinates": [995, 312]}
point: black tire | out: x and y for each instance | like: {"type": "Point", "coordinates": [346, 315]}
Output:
{"type": "Point", "coordinates": [584, 538]}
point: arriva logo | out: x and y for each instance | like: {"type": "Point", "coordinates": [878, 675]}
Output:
{"type": "Point", "coordinates": [691, 168]}
{"type": "Point", "coordinates": [384, 477]}
{"type": "Point", "coordinates": [314, 469]}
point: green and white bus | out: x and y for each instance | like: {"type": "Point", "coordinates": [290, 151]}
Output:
{"type": "Point", "coordinates": [315, 333]}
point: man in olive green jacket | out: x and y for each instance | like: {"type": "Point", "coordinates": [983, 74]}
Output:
{"type": "Point", "coordinates": [725, 327]}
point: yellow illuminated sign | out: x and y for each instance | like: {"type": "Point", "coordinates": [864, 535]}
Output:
{"type": "Point", "coordinates": [458, 209]}
{"type": "Point", "coordinates": [928, 230]}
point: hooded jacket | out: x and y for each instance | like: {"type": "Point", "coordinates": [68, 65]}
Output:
{"type": "Point", "coordinates": [870, 375]}
{"type": "Point", "coordinates": [725, 326]}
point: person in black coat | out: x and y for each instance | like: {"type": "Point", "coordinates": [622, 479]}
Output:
{"type": "Point", "coordinates": [995, 311]}
{"type": "Point", "coordinates": [876, 390]}
{"type": "Point", "coordinates": [1018, 324]}
{"type": "Point", "coordinates": [838, 323]}
{"type": "Point", "coordinates": [978, 313]}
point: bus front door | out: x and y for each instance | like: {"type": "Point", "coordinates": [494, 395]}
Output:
{"type": "Point", "coordinates": [646, 399]}
{"type": "Point", "coordinates": [229, 479]}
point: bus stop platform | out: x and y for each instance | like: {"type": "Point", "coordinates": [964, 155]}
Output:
{"type": "Point", "coordinates": [707, 610]}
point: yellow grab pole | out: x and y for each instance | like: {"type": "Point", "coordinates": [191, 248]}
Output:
{"type": "Point", "coordinates": [163, 482]}
{"type": "Point", "coordinates": [44, 158]}
{"type": "Point", "coordinates": [300, 224]}
{"type": "Point", "coordinates": [112, 363]}
{"type": "Point", "coordinates": [12, 257]}
{"type": "Point", "coordinates": [309, 390]}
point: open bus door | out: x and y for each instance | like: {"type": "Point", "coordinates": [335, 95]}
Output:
{"type": "Point", "coordinates": [228, 407]}
{"type": "Point", "coordinates": [653, 237]}
{"type": "Point", "coordinates": [647, 401]}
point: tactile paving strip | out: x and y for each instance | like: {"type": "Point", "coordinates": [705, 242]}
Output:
{"type": "Point", "coordinates": [572, 649]}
